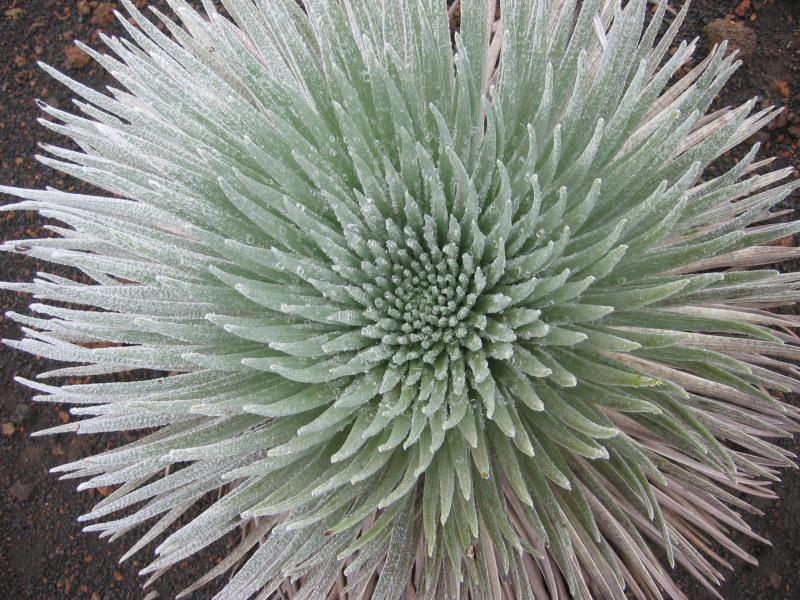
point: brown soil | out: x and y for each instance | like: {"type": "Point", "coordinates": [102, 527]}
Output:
{"type": "Point", "coordinates": [43, 554]}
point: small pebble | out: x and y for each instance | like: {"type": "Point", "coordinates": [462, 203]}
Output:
{"type": "Point", "coordinates": [75, 58]}
{"type": "Point", "coordinates": [740, 37]}
{"type": "Point", "coordinates": [21, 491]}
{"type": "Point", "coordinates": [103, 15]}
{"type": "Point", "coordinates": [23, 414]}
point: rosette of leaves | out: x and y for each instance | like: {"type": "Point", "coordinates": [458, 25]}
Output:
{"type": "Point", "coordinates": [436, 314]}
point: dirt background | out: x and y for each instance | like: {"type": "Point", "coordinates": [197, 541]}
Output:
{"type": "Point", "coordinates": [43, 553]}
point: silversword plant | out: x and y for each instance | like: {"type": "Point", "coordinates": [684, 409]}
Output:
{"type": "Point", "coordinates": [436, 315]}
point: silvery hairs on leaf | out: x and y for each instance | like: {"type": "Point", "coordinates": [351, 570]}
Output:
{"type": "Point", "coordinates": [437, 315]}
